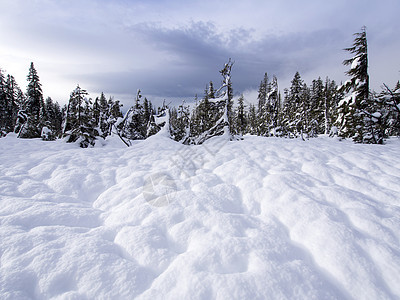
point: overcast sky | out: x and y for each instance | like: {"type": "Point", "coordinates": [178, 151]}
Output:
{"type": "Point", "coordinates": [172, 49]}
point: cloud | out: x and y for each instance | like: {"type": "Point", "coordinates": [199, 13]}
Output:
{"type": "Point", "coordinates": [174, 48]}
{"type": "Point", "coordinates": [190, 56]}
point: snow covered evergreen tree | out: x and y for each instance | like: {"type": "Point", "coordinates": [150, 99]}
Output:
{"type": "Point", "coordinates": [179, 123]}
{"type": "Point", "coordinates": [101, 114]}
{"type": "Point", "coordinates": [222, 102]}
{"type": "Point", "coordinates": [15, 99]}
{"type": "Point", "coordinates": [3, 106]}
{"type": "Point", "coordinates": [298, 120]}
{"type": "Point", "coordinates": [33, 115]}
{"type": "Point", "coordinates": [252, 123]}
{"type": "Point", "coordinates": [263, 91]}
{"type": "Point", "coordinates": [160, 122]}
{"type": "Point", "coordinates": [389, 114]}
{"type": "Point", "coordinates": [263, 107]}
{"type": "Point", "coordinates": [114, 114]}
{"type": "Point", "coordinates": [133, 126]}
{"type": "Point", "coordinates": [206, 113]}
{"type": "Point", "coordinates": [317, 105]}
{"type": "Point", "coordinates": [292, 107]}
{"type": "Point", "coordinates": [331, 99]}
{"type": "Point", "coordinates": [54, 120]}
{"type": "Point", "coordinates": [79, 125]}
{"type": "Point", "coordinates": [147, 112]}
{"type": "Point", "coordinates": [358, 112]}
{"type": "Point", "coordinates": [240, 117]}
{"type": "Point", "coordinates": [273, 109]}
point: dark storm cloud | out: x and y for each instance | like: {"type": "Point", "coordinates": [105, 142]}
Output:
{"type": "Point", "coordinates": [193, 55]}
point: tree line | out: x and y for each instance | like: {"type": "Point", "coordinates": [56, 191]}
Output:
{"type": "Point", "coordinates": [350, 110]}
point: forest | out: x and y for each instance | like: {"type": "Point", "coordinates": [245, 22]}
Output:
{"type": "Point", "coordinates": [349, 110]}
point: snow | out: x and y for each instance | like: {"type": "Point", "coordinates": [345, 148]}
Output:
{"type": "Point", "coordinates": [376, 115]}
{"type": "Point", "coordinates": [252, 219]}
{"type": "Point", "coordinates": [356, 62]}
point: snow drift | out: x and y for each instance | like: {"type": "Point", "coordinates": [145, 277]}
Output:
{"type": "Point", "coordinates": [252, 219]}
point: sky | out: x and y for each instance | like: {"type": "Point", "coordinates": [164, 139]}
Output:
{"type": "Point", "coordinates": [172, 49]}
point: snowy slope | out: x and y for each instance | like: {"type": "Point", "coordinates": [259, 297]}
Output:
{"type": "Point", "coordinates": [253, 219]}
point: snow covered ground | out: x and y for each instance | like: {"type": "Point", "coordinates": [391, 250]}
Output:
{"type": "Point", "coordinates": [261, 218]}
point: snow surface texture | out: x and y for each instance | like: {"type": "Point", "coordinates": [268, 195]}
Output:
{"type": "Point", "coordinates": [253, 219]}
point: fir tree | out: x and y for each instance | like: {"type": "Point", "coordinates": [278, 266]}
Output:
{"type": "Point", "coordinates": [273, 109]}
{"type": "Point", "coordinates": [263, 91]}
{"type": "Point", "coordinates": [211, 91]}
{"type": "Point", "coordinates": [240, 117]}
{"type": "Point", "coordinates": [147, 112]}
{"type": "Point", "coordinates": [222, 105]}
{"type": "Point", "coordinates": [15, 98]}
{"type": "Point", "coordinates": [179, 122]}
{"type": "Point", "coordinates": [50, 128]}
{"type": "Point", "coordinates": [263, 107]}
{"type": "Point", "coordinates": [356, 111]}
{"type": "Point", "coordinates": [79, 122]}
{"type": "Point", "coordinates": [34, 96]}
{"type": "Point", "coordinates": [104, 115]}
{"type": "Point", "coordinates": [3, 105]}
{"type": "Point", "coordinates": [318, 105]}
{"type": "Point", "coordinates": [133, 126]}
{"type": "Point", "coordinates": [34, 114]}
{"type": "Point", "coordinates": [114, 114]}
{"type": "Point", "coordinates": [226, 96]}
{"type": "Point", "coordinates": [292, 107]}
{"type": "Point", "coordinates": [206, 113]}
{"type": "Point", "coordinates": [252, 122]}
{"type": "Point", "coordinates": [331, 100]}
{"type": "Point", "coordinates": [388, 115]}
{"type": "Point", "coordinates": [55, 116]}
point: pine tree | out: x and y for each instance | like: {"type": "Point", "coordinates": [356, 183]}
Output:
{"type": "Point", "coordinates": [14, 97]}
{"type": "Point", "coordinates": [49, 130]}
{"type": "Point", "coordinates": [262, 92]}
{"type": "Point", "coordinates": [11, 101]}
{"type": "Point", "coordinates": [308, 125]}
{"type": "Point", "coordinates": [147, 112]}
{"type": "Point", "coordinates": [96, 114]}
{"type": "Point", "coordinates": [252, 122]}
{"type": "Point", "coordinates": [273, 109]}
{"type": "Point", "coordinates": [213, 115]}
{"type": "Point", "coordinates": [331, 100]}
{"type": "Point", "coordinates": [206, 113]}
{"type": "Point", "coordinates": [240, 117]}
{"type": "Point", "coordinates": [79, 123]}
{"type": "Point", "coordinates": [101, 112]}
{"type": "Point", "coordinates": [33, 115]}
{"type": "Point", "coordinates": [114, 114]}
{"type": "Point", "coordinates": [179, 122]}
{"type": "Point", "coordinates": [211, 91]}
{"type": "Point", "coordinates": [226, 96]}
{"type": "Point", "coordinates": [133, 126]}
{"type": "Point", "coordinates": [104, 115]}
{"type": "Point", "coordinates": [34, 100]}
{"type": "Point", "coordinates": [54, 119]}
{"type": "Point", "coordinates": [220, 111]}
{"type": "Point", "coordinates": [292, 107]}
{"type": "Point", "coordinates": [356, 111]}
{"type": "Point", "coordinates": [196, 123]}
{"type": "Point", "coordinates": [318, 105]}
{"type": "Point", "coordinates": [3, 105]}
{"type": "Point", "coordinates": [388, 115]}
{"type": "Point", "coordinates": [263, 107]}
{"type": "Point", "coordinates": [160, 121]}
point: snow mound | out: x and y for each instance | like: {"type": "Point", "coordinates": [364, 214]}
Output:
{"type": "Point", "coordinates": [252, 219]}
